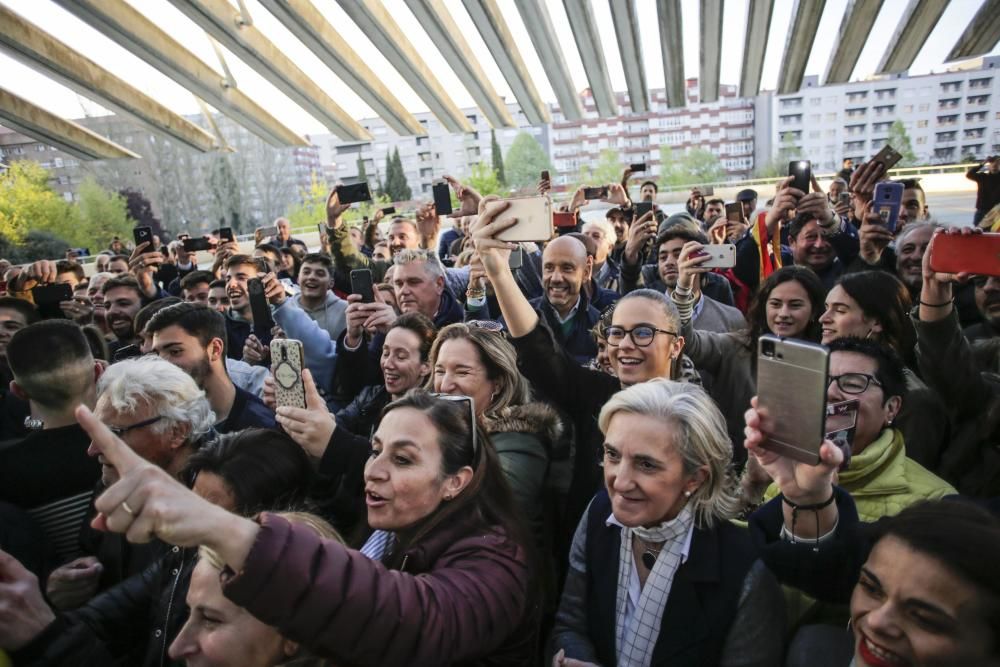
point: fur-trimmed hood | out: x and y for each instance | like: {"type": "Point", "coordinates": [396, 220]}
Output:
{"type": "Point", "coordinates": [535, 418]}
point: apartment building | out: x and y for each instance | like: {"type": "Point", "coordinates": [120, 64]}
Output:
{"type": "Point", "coordinates": [725, 127]}
{"type": "Point", "coordinates": [948, 116]}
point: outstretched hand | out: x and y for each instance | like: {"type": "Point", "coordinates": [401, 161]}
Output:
{"type": "Point", "coordinates": [313, 427]}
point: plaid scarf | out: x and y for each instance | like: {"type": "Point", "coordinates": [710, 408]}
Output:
{"type": "Point", "coordinates": [635, 643]}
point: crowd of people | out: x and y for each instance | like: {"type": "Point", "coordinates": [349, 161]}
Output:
{"type": "Point", "coordinates": [509, 453]}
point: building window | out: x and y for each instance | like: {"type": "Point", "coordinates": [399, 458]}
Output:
{"type": "Point", "coordinates": [921, 123]}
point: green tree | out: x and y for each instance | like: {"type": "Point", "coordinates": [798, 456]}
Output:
{"type": "Point", "coordinates": [310, 210]}
{"type": "Point", "coordinates": [694, 167]}
{"type": "Point", "coordinates": [396, 186]}
{"type": "Point", "coordinates": [28, 202]}
{"type": "Point", "coordinates": [900, 140]}
{"type": "Point", "coordinates": [484, 179]}
{"type": "Point", "coordinates": [607, 169]}
{"type": "Point", "coordinates": [362, 174]}
{"type": "Point", "coordinates": [525, 161]}
{"type": "Point", "coordinates": [101, 214]}
{"type": "Point", "coordinates": [497, 158]}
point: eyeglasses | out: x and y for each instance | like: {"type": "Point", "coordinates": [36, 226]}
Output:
{"type": "Point", "coordinates": [472, 414]}
{"type": "Point", "coordinates": [854, 383]}
{"type": "Point", "coordinates": [642, 335]}
{"type": "Point", "coordinates": [122, 430]}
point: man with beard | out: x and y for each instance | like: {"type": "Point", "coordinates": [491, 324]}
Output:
{"type": "Point", "coordinates": [620, 221]}
{"type": "Point", "coordinates": [914, 204]}
{"type": "Point", "coordinates": [988, 303]}
{"type": "Point", "coordinates": [193, 338]}
{"type": "Point", "coordinates": [987, 178]}
{"type": "Point", "coordinates": [122, 301]}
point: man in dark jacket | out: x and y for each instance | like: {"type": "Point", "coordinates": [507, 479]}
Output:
{"type": "Point", "coordinates": [987, 178]}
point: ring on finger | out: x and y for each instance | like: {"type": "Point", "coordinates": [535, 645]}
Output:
{"type": "Point", "coordinates": [129, 510]}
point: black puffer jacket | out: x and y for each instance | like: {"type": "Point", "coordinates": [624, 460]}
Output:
{"type": "Point", "coordinates": [130, 624]}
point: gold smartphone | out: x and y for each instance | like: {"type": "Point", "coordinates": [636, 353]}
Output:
{"type": "Point", "coordinates": [534, 218]}
{"type": "Point", "coordinates": [286, 367]}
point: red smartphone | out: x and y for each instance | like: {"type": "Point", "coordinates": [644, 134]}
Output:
{"type": "Point", "coordinates": [563, 219]}
{"type": "Point", "coordinates": [975, 253]}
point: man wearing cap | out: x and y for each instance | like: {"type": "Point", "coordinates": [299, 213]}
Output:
{"type": "Point", "coordinates": [748, 198]}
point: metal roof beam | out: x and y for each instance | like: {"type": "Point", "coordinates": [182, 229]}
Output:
{"type": "Point", "coordinates": [668, 14]}
{"type": "Point", "coordinates": [302, 19]}
{"type": "Point", "coordinates": [626, 23]}
{"type": "Point", "coordinates": [35, 47]}
{"type": "Point", "coordinates": [755, 45]}
{"type": "Point", "coordinates": [378, 25]}
{"type": "Point", "coordinates": [711, 49]}
{"type": "Point", "coordinates": [915, 26]}
{"type": "Point", "coordinates": [25, 117]}
{"type": "Point", "coordinates": [538, 22]}
{"type": "Point", "coordinates": [228, 25]}
{"type": "Point", "coordinates": [120, 22]}
{"type": "Point", "coordinates": [806, 15]}
{"type": "Point", "coordinates": [981, 35]}
{"type": "Point", "coordinates": [444, 32]}
{"type": "Point", "coordinates": [493, 28]}
{"type": "Point", "coordinates": [588, 42]}
{"type": "Point", "coordinates": [859, 18]}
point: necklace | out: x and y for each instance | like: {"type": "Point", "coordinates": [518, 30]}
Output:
{"type": "Point", "coordinates": [649, 553]}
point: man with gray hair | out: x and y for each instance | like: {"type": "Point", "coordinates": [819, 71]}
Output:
{"type": "Point", "coordinates": [605, 271]}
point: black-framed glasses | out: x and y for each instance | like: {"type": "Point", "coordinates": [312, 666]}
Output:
{"type": "Point", "coordinates": [122, 430]}
{"type": "Point", "coordinates": [855, 383]}
{"type": "Point", "coordinates": [472, 414]}
{"type": "Point", "coordinates": [642, 335]}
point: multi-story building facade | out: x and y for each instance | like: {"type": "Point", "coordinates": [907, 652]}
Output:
{"type": "Point", "coordinates": [948, 116]}
{"type": "Point", "coordinates": [725, 127]}
{"type": "Point", "coordinates": [426, 158]}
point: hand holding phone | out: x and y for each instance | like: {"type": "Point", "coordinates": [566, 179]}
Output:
{"type": "Point", "coordinates": [801, 173]}
{"type": "Point", "coordinates": [362, 284]}
{"type": "Point", "coordinates": [142, 235]}
{"type": "Point", "coordinates": [354, 193]}
{"type": "Point", "coordinates": [591, 194]}
{"type": "Point", "coordinates": [194, 245]}
{"type": "Point", "coordinates": [260, 310]}
{"type": "Point", "coordinates": [637, 167]}
{"type": "Point", "coordinates": [978, 254]}
{"type": "Point", "coordinates": [886, 203]}
{"type": "Point", "coordinates": [442, 198]}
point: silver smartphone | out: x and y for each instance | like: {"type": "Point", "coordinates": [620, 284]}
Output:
{"type": "Point", "coordinates": [534, 218]}
{"type": "Point", "coordinates": [721, 256]}
{"type": "Point", "coordinates": [791, 394]}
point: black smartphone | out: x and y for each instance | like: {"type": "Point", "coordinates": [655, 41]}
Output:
{"type": "Point", "coordinates": [638, 166]}
{"type": "Point", "coordinates": [226, 235]}
{"type": "Point", "coordinates": [127, 352]}
{"type": "Point", "coordinates": [144, 235]}
{"type": "Point", "coordinates": [801, 170]}
{"type": "Point", "coordinates": [545, 175]}
{"type": "Point", "coordinates": [595, 193]}
{"type": "Point", "coordinates": [194, 245]}
{"type": "Point", "coordinates": [389, 210]}
{"type": "Point", "coordinates": [48, 297]}
{"type": "Point", "coordinates": [642, 208]}
{"type": "Point", "coordinates": [361, 283]}
{"type": "Point", "coordinates": [261, 311]}
{"type": "Point", "coordinates": [442, 198]}
{"type": "Point", "coordinates": [351, 194]}
{"type": "Point", "coordinates": [888, 156]}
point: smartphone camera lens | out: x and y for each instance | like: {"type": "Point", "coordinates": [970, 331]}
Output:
{"type": "Point", "coordinates": [767, 348]}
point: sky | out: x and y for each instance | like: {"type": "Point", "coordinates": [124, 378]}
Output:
{"type": "Point", "coordinates": [28, 83]}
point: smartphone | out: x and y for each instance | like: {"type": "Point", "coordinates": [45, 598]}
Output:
{"type": "Point", "coordinates": [442, 198]}
{"type": "Point", "coordinates": [516, 258]}
{"type": "Point", "coordinates": [841, 423]}
{"type": "Point", "coordinates": [886, 201]}
{"type": "Point", "coordinates": [563, 219]}
{"type": "Point", "coordinates": [194, 245]}
{"type": "Point", "coordinates": [389, 210]}
{"type": "Point", "coordinates": [534, 218]}
{"type": "Point", "coordinates": [802, 172]}
{"type": "Point", "coordinates": [722, 256]}
{"type": "Point", "coordinates": [888, 156]}
{"type": "Point", "coordinates": [144, 235]}
{"type": "Point", "coordinates": [286, 367]}
{"type": "Point", "coordinates": [260, 310]}
{"type": "Point", "coordinates": [48, 297]}
{"type": "Point", "coordinates": [226, 235]}
{"type": "Point", "coordinates": [638, 166]}
{"type": "Point", "coordinates": [641, 209]}
{"type": "Point", "coordinates": [545, 175]}
{"type": "Point", "coordinates": [127, 352]}
{"type": "Point", "coordinates": [361, 283]}
{"type": "Point", "coordinates": [791, 390]}
{"type": "Point", "coordinates": [844, 199]}
{"type": "Point", "coordinates": [265, 232]}
{"type": "Point", "coordinates": [595, 193]}
{"type": "Point", "coordinates": [978, 254]}
{"type": "Point", "coordinates": [356, 192]}
{"type": "Point", "coordinates": [734, 212]}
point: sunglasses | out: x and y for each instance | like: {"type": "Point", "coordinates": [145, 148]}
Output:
{"type": "Point", "coordinates": [457, 398]}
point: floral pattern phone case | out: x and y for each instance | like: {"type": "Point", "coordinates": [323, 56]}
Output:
{"type": "Point", "coordinates": [286, 366]}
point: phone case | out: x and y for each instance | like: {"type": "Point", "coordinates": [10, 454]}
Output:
{"type": "Point", "coordinates": [723, 255]}
{"type": "Point", "coordinates": [978, 254]}
{"type": "Point", "coordinates": [887, 199]}
{"type": "Point", "coordinates": [888, 156]}
{"type": "Point", "coordinates": [791, 387]}
{"type": "Point", "coordinates": [534, 219]}
{"type": "Point", "coordinates": [734, 212]}
{"type": "Point", "coordinates": [442, 198]}
{"type": "Point", "coordinates": [286, 366]}
{"type": "Point", "coordinates": [801, 170]}
{"type": "Point", "coordinates": [259, 308]}
{"type": "Point", "coordinates": [361, 283]}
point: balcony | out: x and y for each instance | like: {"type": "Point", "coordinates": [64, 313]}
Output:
{"type": "Point", "coordinates": [977, 100]}
{"type": "Point", "coordinates": [977, 84]}
{"type": "Point", "coordinates": [951, 103]}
